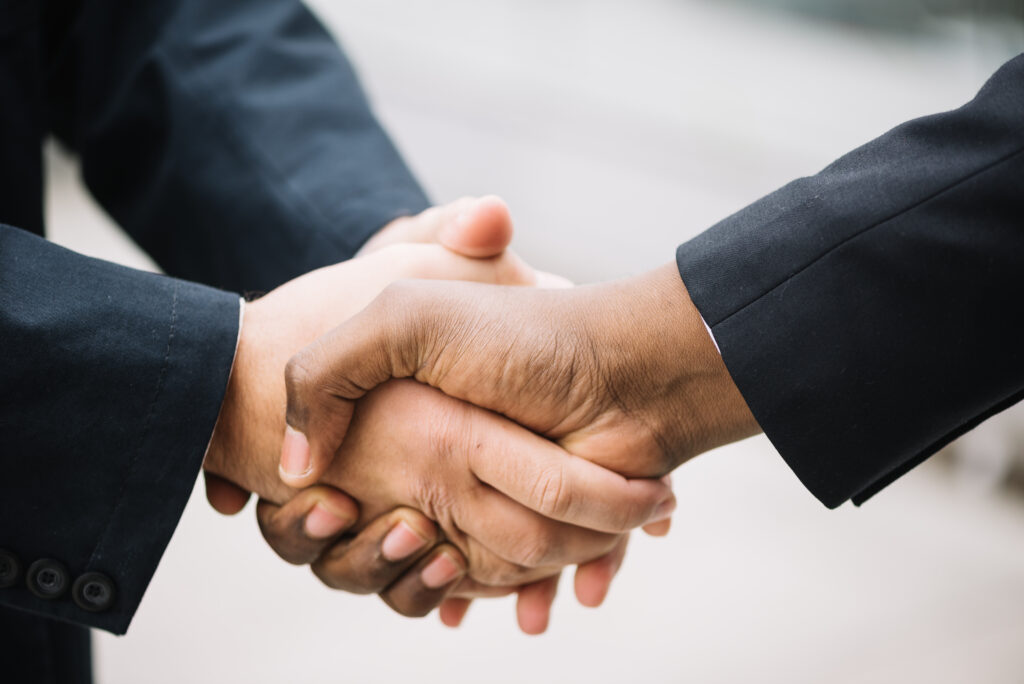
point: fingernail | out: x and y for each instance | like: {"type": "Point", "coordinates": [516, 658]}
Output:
{"type": "Point", "coordinates": [321, 523]}
{"type": "Point", "coordinates": [664, 510]}
{"type": "Point", "coordinates": [401, 542]}
{"type": "Point", "coordinates": [440, 571]}
{"type": "Point", "coordinates": [295, 458]}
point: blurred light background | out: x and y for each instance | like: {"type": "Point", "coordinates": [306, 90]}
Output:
{"type": "Point", "coordinates": [616, 130]}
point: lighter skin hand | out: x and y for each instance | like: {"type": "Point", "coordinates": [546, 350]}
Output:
{"type": "Point", "coordinates": [480, 228]}
{"type": "Point", "coordinates": [487, 512]}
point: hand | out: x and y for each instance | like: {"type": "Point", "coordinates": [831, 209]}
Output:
{"type": "Point", "coordinates": [374, 562]}
{"type": "Point", "coordinates": [308, 526]}
{"type": "Point", "coordinates": [477, 475]}
{"type": "Point", "coordinates": [623, 374]}
{"type": "Point", "coordinates": [298, 312]}
{"type": "Point", "coordinates": [312, 290]}
{"type": "Point", "coordinates": [385, 558]}
{"type": "Point", "coordinates": [477, 228]}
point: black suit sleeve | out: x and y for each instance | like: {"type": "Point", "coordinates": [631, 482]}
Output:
{"type": "Point", "coordinates": [112, 380]}
{"type": "Point", "coordinates": [872, 313]}
{"type": "Point", "coordinates": [234, 144]}
{"type": "Point", "coordinates": [232, 140]}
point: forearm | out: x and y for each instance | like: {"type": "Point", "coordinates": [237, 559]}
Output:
{"type": "Point", "coordinates": [245, 444]}
{"type": "Point", "coordinates": [648, 339]}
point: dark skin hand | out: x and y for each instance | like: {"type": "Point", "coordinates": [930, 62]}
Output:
{"type": "Point", "coordinates": [623, 374]}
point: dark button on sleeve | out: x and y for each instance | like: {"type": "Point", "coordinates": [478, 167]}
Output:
{"type": "Point", "coordinates": [47, 578]}
{"type": "Point", "coordinates": [93, 592]}
{"type": "Point", "coordinates": [10, 569]}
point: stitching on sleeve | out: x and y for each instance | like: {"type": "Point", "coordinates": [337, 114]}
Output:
{"type": "Point", "coordinates": [915, 205]}
{"type": "Point", "coordinates": [142, 438]}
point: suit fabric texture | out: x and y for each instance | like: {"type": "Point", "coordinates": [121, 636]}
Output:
{"type": "Point", "coordinates": [872, 313]}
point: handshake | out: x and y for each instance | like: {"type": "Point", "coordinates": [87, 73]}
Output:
{"type": "Point", "coordinates": [457, 425]}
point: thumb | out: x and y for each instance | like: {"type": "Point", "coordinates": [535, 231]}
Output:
{"type": "Point", "coordinates": [323, 380]}
{"type": "Point", "coordinates": [479, 228]}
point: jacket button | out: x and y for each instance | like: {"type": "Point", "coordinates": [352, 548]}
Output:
{"type": "Point", "coordinates": [47, 578]}
{"type": "Point", "coordinates": [93, 592]}
{"type": "Point", "coordinates": [10, 569]}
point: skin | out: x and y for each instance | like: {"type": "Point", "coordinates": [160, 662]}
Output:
{"type": "Point", "coordinates": [623, 374]}
{"type": "Point", "coordinates": [395, 422]}
{"type": "Point", "coordinates": [477, 476]}
{"type": "Point", "coordinates": [470, 227]}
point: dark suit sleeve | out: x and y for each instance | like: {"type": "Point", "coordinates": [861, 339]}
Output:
{"type": "Point", "coordinates": [872, 313]}
{"type": "Point", "coordinates": [112, 380]}
{"type": "Point", "coordinates": [232, 140]}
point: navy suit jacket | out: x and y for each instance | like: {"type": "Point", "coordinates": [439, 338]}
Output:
{"type": "Point", "coordinates": [873, 312]}
{"type": "Point", "coordinates": [232, 141]}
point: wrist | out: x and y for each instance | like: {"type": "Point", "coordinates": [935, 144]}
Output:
{"type": "Point", "coordinates": [708, 410]}
{"type": "Point", "coordinates": [664, 359]}
{"type": "Point", "coordinates": [245, 441]}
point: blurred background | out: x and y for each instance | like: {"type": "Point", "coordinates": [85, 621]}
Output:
{"type": "Point", "coordinates": [616, 130]}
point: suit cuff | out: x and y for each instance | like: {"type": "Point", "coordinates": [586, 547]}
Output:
{"type": "Point", "coordinates": [202, 336]}
{"type": "Point", "coordinates": [117, 378]}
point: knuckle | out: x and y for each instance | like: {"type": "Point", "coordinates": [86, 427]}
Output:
{"type": "Point", "coordinates": [285, 537]}
{"type": "Point", "coordinates": [400, 314]}
{"type": "Point", "coordinates": [628, 514]}
{"type": "Point", "coordinates": [414, 606]}
{"type": "Point", "coordinates": [355, 569]}
{"type": "Point", "coordinates": [290, 549]}
{"type": "Point", "coordinates": [351, 582]}
{"type": "Point", "coordinates": [328, 578]}
{"type": "Point", "coordinates": [298, 374]}
{"type": "Point", "coordinates": [536, 551]}
{"type": "Point", "coordinates": [265, 515]}
{"type": "Point", "coordinates": [552, 493]}
{"type": "Point", "coordinates": [494, 571]}
{"type": "Point", "coordinates": [451, 432]}
{"type": "Point", "coordinates": [512, 568]}
{"type": "Point", "coordinates": [443, 489]}
{"type": "Point", "coordinates": [416, 519]}
{"type": "Point", "coordinates": [294, 555]}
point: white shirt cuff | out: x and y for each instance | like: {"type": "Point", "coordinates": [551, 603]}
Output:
{"type": "Point", "coordinates": [710, 334]}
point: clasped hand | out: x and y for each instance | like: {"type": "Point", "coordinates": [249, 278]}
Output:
{"type": "Point", "coordinates": [513, 508]}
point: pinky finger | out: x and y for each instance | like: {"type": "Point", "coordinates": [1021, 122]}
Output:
{"type": "Point", "coordinates": [594, 579]}
{"type": "Point", "coordinates": [533, 609]}
{"type": "Point", "coordinates": [453, 610]}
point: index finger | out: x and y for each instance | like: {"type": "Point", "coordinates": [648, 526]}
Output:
{"type": "Point", "coordinates": [557, 484]}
